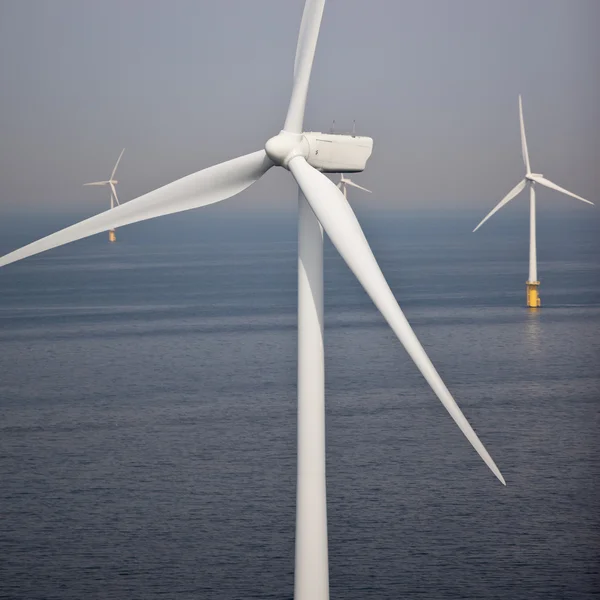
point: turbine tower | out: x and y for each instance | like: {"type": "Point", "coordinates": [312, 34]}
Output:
{"type": "Point", "coordinates": [322, 207]}
{"type": "Point", "coordinates": [532, 284]}
{"type": "Point", "coordinates": [345, 182]}
{"type": "Point", "coordinates": [113, 193]}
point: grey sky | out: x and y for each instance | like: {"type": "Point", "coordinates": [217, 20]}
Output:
{"type": "Point", "coordinates": [185, 84]}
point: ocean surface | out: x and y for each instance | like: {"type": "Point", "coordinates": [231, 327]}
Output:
{"type": "Point", "coordinates": [148, 412]}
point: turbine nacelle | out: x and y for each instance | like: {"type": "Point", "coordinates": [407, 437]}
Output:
{"type": "Point", "coordinates": [532, 176]}
{"type": "Point", "coordinates": [326, 152]}
{"type": "Point", "coordinates": [338, 153]}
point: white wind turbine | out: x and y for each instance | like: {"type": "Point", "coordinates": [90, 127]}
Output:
{"type": "Point", "coordinates": [345, 182]}
{"type": "Point", "coordinates": [321, 206]}
{"type": "Point", "coordinates": [533, 299]}
{"type": "Point", "coordinates": [113, 192]}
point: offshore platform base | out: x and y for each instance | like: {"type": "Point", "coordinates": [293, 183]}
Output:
{"type": "Point", "coordinates": [533, 298]}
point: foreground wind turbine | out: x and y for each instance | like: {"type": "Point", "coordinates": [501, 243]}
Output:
{"type": "Point", "coordinates": [321, 206]}
{"type": "Point", "coordinates": [113, 193]}
{"type": "Point", "coordinates": [533, 299]}
{"type": "Point", "coordinates": [345, 182]}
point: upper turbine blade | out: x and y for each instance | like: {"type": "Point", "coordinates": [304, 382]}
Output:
{"type": "Point", "coordinates": [523, 138]}
{"type": "Point", "coordinates": [518, 188]}
{"type": "Point", "coordinates": [114, 191]}
{"type": "Point", "coordinates": [112, 175]}
{"type": "Point", "coordinates": [199, 189]}
{"type": "Point", "coordinates": [543, 181]}
{"type": "Point", "coordinates": [360, 187]}
{"type": "Point", "coordinates": [342, 227]}
{"type": "Point", "coordinates": [305, 53]}
{"type": "Point", "coordinates": [299, 41]}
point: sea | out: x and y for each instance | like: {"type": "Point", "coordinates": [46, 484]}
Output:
{"type": "Point", "coordinates": [148, 411]}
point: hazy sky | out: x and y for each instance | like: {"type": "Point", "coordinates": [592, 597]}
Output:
{"type": "Point", "coordinates": [186, 84]}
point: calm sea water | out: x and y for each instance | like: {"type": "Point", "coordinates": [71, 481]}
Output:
{"type": "Point", "coordinates": [147, 413]}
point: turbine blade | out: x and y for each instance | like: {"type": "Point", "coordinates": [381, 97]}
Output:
{"type": "Point", "coordinates": [97, 183]}
{"type": "Point", "coordinates": [349, 182]}
{"type": "Point", "coordinates": [112, 175]}
{"type": "Point", "coordinates": [199, 189]}
{"type": "Point", "coordinates": [523, 138]}
{"type": "Point", "coordinates": [516, 190]}
{"type": "Point", "coordinates": [543, 181]}
{"type": "Point", "coordinates": [342, 227]}
{"type": "Point", "coordinates": [114, 191]}
{"type": "Point", "coordinates": [305, 53]}
{"type": "Point", "coordinates": [340, 184]}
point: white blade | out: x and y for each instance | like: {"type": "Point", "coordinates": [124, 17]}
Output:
{"type": "Point", "coordinates": [342, 227]}
{"type": "Point", "coordinates": [523, 138]}
{"type": "Point", "coordinates": [112, 175]}
{"type": "Point", "coordinates": [305, 53]}
{"type": "Point", "coordinates": [543, 181]}
{"type": "Point", "coordinates": [300, 40]}
{"type": "Point", "coordinates": [199, 189]}
{"type": "Point", "coordinates": [97, 183]}
{"type": "Point", "coordinates": [114, 191]}
{"type": "Point", "coordinates": [517, 189]}
{"type": "Point", "coordinates": [349, 182]}
{"type": "Point", "coordinates": [339, 185]}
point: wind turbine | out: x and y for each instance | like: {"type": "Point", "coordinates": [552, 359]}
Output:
{"type": "Point", "coordinates": [321, 207]}
{"type": "Point", "coordinates": [533, 299]}
{"type": "Point", "coordinates": [345, 182]}
{"type": "Point", "coordinates": [113, 193]}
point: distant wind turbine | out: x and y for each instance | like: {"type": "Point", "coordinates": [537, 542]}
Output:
{"type": "Point", "coordinates": [113, 193]}
{"type": "Point", "coordinates": [533, 299]}
{"type": "Point", "coordinates": [306, 155]}
{"type": "Point", "coordinates": [345, 182]}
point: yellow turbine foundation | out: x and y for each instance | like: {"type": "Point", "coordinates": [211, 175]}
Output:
{"type": "Point", "coordinates": [533, 299]}
{"type": "Point", "coordinates": [112, 237]}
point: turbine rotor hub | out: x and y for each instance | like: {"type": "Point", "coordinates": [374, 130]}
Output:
{"type": "Point", "coordinates": [285, 146]}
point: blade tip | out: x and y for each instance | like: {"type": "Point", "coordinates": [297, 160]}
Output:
{"type": "Point", "coordinates": [495, 470]}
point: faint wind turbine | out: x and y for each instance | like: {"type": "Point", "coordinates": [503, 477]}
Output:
{"type": "Point", "coordinates": [113, 193]}
{"type": "Point", "coordinates": [345, 182]}
{"type": "Point", "coordinates": [321, 207]}
{"type": "Point", "coordinates": [533, 299]}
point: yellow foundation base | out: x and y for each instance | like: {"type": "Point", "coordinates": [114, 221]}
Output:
{"type": "Point", "coordinates": [533, 298]}
{"type": "Point", "coordinates": [112, 236]}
